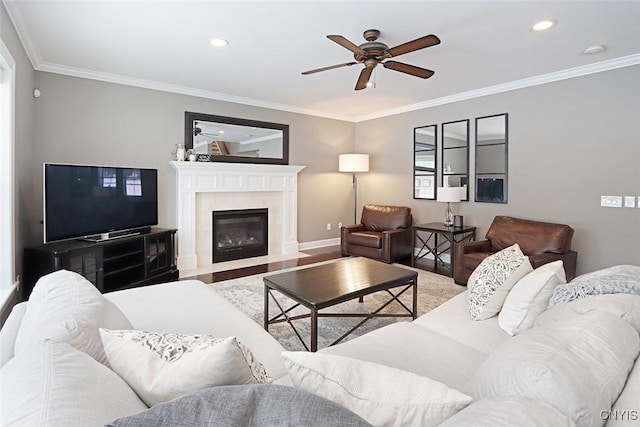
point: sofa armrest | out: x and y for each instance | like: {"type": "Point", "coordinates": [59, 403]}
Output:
{"type": "Point", "coordinates": [344, 231]}
{"type": "Point", "coordinates": [478, 246]}
{"type": "Point", "coordinates": [569, 261]}
{"type": "Point", "coordinates": [396, 244]}
{"type": "Point", "coordinates": [460, 275]}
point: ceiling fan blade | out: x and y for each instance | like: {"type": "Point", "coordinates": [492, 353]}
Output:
{"type": "Point", "coordinates": [331, 67]}
{"type": "Point", "coordinates": [365, 75]}
{"type": "Point", "coordinates": [409, 69]}
{"type": "Point", "coordinates": [416, 44]}
{"type": "Point", "coordinates": [346, 44]}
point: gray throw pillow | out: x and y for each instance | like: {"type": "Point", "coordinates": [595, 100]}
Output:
{"type": "Point", "coordinates": [245, 405]}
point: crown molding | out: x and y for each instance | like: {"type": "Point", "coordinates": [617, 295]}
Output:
{"type": "Point", "coordinates": [182, 90]}
{"type": "Point", "coordinates": [598, 67]}
{"type": "Point", "coordinates": [570, 73]}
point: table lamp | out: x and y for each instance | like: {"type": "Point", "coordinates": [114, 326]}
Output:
{"type": "Point", "coordinates": [354, 163]}
{"type": "Point", "coordinates": [449, 195]}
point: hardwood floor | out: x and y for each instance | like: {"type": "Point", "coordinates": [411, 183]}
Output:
{"type": "Point", "coordinates": [315, 255]}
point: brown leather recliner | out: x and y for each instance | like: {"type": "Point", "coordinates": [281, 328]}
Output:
{"type": "Point", "coordinates": [384, 233]}
{"type": "Point", "coordinates": [542, 242]}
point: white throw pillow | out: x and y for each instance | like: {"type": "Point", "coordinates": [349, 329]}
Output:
{"type": "Point", "coordinates": [492, 280]}
{"type": "Point", "coordinates": [161, 367]}
{"type": "Point", "coordinates": [53, 384]}
{"type": "Point", "coordinates": [579, 366]}
{"type": "Point", "coordinates": [66, 307]}
{"type": "Point", "coordinates": [529, 297]}
{"type": "Point", "coordinates": [382, 395]}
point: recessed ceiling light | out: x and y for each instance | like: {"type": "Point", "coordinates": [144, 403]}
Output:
{"type": "Point", "coordinates": [596, 48]}
{"type": "Point", "coordinates": [217, 42]}
{"type": "Point", "coordinates": [544, 25]}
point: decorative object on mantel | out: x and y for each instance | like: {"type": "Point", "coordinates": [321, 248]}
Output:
{"type": "Point", "coordinates": [179, 152]}
{"type": "Point", "coordinates": [449, 195]}
{"type": "Point", "coordinates": [191, 155]}
{"type": "Point", "coordinates": [204, 158]}
{"type": "Point", "coordinates": [354, 163]}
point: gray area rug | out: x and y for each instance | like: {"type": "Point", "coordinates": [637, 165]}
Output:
{"type": "Point", "coordinates": [247, 293]}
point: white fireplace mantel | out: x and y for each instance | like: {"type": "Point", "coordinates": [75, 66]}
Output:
{"type": "Point", "coordinates": [203, 177]}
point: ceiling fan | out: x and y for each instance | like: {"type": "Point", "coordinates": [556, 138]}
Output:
{"type": "Point", "coordinates": [373, 52]}
{"type": "Point", "coordinates": [198, 131]}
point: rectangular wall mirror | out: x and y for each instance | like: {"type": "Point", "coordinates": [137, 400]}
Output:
{"type": "Point", "coordinates": [424, 162]}
{"type": "Point", "coordinates": [229, 139]}
{"type": "Point", "coordinates": [491, 158]}
{"type": "Point", "coordinates": [455, 155]}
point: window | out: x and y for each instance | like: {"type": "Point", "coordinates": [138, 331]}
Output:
{"type": "Point", "coordinates": [133, 183]}
{"type": "Point", "coordinates": [108, 178]}
{"type": "Point", "coordinates": [7, 243]}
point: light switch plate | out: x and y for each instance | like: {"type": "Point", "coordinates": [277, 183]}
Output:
{"type": "Point", "coordinates": [629, 202]}
{"type": "Point", "coordinates": [611, 201]}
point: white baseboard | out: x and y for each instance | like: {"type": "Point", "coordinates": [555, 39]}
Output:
{"type": "Point", "coordinates": [318, 244]}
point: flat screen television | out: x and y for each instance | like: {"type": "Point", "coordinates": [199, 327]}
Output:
{"type": "Point", "coordinates": [92, 201]}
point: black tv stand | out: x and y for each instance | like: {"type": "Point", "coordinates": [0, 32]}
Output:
{"type": "Point", "coordinates": [95, 238]}
{"type": "Point", "coordinates": [125, 261]}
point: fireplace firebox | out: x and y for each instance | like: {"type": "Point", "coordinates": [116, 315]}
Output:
{"type": "Point", "coordinates": [240, 234]}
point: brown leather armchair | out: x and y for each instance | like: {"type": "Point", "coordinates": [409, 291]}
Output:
{"type": "Point", "coordinates": [542, 242]}
{"type": "Point", "coordinates": [384, 233]}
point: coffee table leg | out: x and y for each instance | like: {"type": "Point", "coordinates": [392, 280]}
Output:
{"type": "Point", "coordinates": [314, 330]}
{"type": "Point", "coordinates": [266, 307]}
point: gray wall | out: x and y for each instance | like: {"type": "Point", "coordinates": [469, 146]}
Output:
{"type": "Point", "coordinates": [569, 143]}
{"type": "Point", "coordinates": [91, 122]}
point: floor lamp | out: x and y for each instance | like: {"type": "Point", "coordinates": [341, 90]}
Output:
{"type": "Point", "coordinates": [354, 163]}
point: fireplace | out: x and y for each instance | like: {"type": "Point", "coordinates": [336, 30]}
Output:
{"type": "Point", "coordinates": [241, 233]}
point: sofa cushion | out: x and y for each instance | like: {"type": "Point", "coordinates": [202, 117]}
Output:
{"type": "Point", "coordinates": [529, 297]}
{"type": "Point", "coordinates": [490, 283]}
{"type": "Point", "coordinates": [579, 366]}
{"type": "Point", "coordinates": [66, 307]}
{"type": "Point", "coordinates": [382, 395]}
{"type": "Point", "coordinates": [53, 384]}
{"type": "Point", "coordinates": [161, 367]}
{"type": "Point", "coordinates": [625, 306]}
{"type": "Point", "coordinates": [534, 237]}
{"type": "Point", "coordinates": [508, 411]}
{"type": "Point", "coordinates": [370, 239]}
{"type": "Point", "coordinates": [452, 320]}
{"type": "Point", "coordinates": [413, 348]}
{"type": "Point", "coordinates": [248, 405]}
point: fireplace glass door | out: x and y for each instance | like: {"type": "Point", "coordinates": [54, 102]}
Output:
{"type": "Point", "coordinates": [240, 234]}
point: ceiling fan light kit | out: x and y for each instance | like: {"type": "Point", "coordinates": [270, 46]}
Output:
{"type": "Point", "coordinates": [372, 52]}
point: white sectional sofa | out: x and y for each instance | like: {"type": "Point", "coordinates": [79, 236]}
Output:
{"type": "Point", "coordinates": [577, 366]}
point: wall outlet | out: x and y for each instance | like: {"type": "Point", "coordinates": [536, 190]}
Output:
{"type": "Point", "coordinates": [328, 226]}
{"type": "Point", "coordinates": [611, 201]}
{"type": "Point", "coordinates": [629, 202]}
{"type": "Point", "coordinates": [340, 224]}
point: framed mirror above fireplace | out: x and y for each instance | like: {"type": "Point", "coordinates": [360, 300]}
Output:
{"type": "Point", "coordinates": [231, 139]}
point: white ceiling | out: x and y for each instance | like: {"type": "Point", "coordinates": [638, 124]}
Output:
{"type": "Point", "coordinates": [487, 47]}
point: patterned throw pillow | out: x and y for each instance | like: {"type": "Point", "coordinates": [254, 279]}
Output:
{"type": "Point", "coordinates": [162, 366]}
{"type": "Point", "coordinates": [492, 280]}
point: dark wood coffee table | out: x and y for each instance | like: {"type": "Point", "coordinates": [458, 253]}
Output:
{"type": "Point", "coordinates": [326, 285]}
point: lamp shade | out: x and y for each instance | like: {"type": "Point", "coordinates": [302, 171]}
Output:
{"type": "Point", "coordinates": [449, 194]}
{"type": "Point", "coordinates": [353, 163]}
